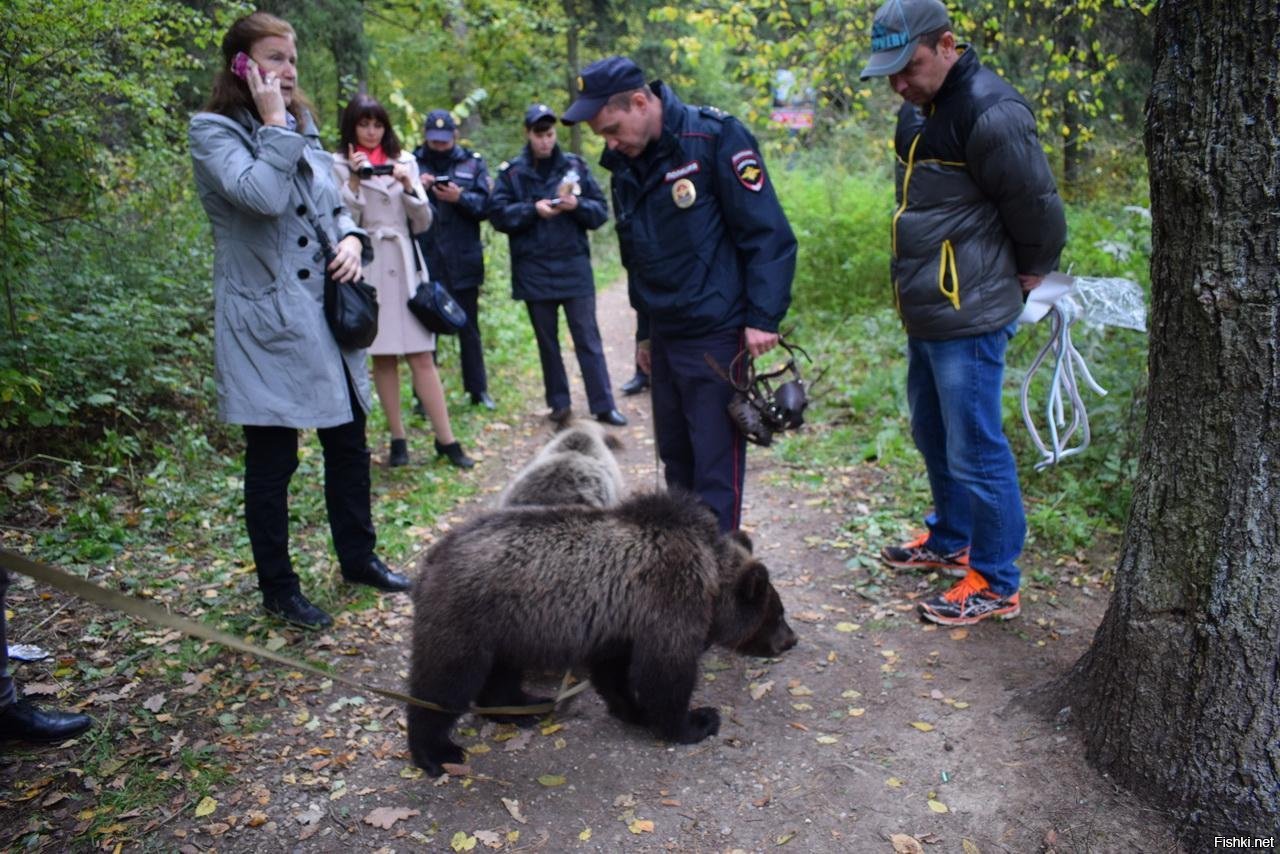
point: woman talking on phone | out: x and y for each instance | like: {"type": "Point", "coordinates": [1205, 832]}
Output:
{"type": "Point", "coordinates": [266, 185]}
{"type": "Point", "coordinates": [380, 187]}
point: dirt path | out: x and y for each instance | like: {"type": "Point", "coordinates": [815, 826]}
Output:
{"type": "Point", "coordinates": [874, 725]}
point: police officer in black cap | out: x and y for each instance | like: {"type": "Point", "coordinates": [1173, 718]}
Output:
{"type": "Point", "coordinates": [709, 256]}
{"type": "Point", "coordinates": [458, 186]}
{"type": "Point", "coordinates": [546, 201]}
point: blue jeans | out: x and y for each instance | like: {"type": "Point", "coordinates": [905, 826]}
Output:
{"type": "Point", "coordinates": [953, 388]}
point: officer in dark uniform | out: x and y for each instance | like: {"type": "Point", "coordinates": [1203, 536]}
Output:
{"type": "Point", "coordinates": [458, 186]}
{"type": "Point", "coordinates": [709, 256]}
{"type": "Point", "coordinates": [546, 201]}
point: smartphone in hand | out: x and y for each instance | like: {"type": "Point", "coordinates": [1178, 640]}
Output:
{"type": "Point", "coordinates": [240, 67]}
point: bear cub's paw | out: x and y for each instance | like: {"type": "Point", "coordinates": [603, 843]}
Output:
{"type": "Point", "coordinates": [702, 722]}
{"type": "Point", "coordinates": [434, 759]}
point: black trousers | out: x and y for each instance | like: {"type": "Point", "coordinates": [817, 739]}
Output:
{"type": "Point", "coordinates": [580, 314]}
{"type": "Point", "coordinates": [7, 692]}
{"type": "Point", "coordinates": [700, 446]}
{"type": "Point", "coordinates": [270, 459]}
{"type": "Point", "coordinates": [474, 379]}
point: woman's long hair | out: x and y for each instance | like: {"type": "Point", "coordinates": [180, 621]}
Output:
{"type": "Point", "coordinates": [231, 94]}
{"type": "Point", "coordinates": [366, 106]}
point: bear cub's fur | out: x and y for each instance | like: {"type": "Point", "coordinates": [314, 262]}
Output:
{"type": "Point", "coordinates": [576, 467]}
{"type": "Point", "coordinates": [635, 593]}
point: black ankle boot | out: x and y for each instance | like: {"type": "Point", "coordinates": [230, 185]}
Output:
{"type": "Point", "coordinates": [297, 609]}
{"type": "Point", "coordinates": [376, 574]}
{"type": "Point", "coordinates": [399, 453]}
{"type": "Point", "coordinates": [23, 721]}
{"type": "Point", "coordinates": [454, 454]}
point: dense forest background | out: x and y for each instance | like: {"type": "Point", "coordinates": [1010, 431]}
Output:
{"type": "Point", "coordinates": [105, 355]}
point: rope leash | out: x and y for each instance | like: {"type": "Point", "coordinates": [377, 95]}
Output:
{"type": "Point", "coordinates": [156, 615]}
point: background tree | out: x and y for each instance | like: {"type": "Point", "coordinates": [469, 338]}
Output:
{"type": "Point", "coordinates": [1179, 695]}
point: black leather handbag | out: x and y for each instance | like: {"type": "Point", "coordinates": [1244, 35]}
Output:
{"type": "Point", "coordinates": [433, 305]}
{"type": "Point", "coordinates": [350, 308]}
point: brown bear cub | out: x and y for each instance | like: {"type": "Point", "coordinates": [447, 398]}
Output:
{"type": "Point", "coordinates": [635, 593]}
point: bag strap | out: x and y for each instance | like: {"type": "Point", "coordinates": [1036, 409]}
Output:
{"type": "Point", "coordinates": [423, 274]}
{"type": "Point", "coordinates": [326, 245]}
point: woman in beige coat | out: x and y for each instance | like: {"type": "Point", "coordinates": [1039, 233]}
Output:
{"type": "Point", "coordinates": [380, 187]}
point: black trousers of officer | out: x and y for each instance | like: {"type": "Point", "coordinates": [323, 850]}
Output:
{"type": "Point", "coordinates": [7, 691]}
{"type": "Point", "coordinates": [270, 459]}
{"type": "Point", "coordinates": [700, 447]}
{"type": "Point", "coordinates": [474, 378]}
{"type": "Point", "coordinates": [580, 313]}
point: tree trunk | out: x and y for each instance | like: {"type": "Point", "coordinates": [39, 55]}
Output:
{"type": "Point", "coordinates": [574, 57]}
{"type": "Point", "coordinates": [1179, 696]}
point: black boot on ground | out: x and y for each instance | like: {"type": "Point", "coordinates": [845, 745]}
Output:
{"type": "Point", "coordinates": [297, 609]}
{"type": "Point", "coordinates": [454, 454]}
{"type": "Point", "coordinates": [399, 453]}
{"type": "Point", "coordinates": [22, 720]}
{"type": "Point", "coordinates": [376, 574]}
{"type": "Point", "coordinates": [636, 384]}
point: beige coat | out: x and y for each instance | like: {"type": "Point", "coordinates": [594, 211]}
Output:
{"type": "Point", "coordinates": [383, 209]}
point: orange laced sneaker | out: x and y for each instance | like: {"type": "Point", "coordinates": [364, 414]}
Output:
{"type": "Point", "coordinates": [914, 555]}
{"type": "Point", "coordinates": [969, 601]}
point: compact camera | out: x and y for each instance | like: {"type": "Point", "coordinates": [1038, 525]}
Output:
{"type": "Point", "coordinates": [368, 170]}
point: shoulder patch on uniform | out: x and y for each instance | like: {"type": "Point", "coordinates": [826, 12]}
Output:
{"type": "Point", "coordinates": [476, 155]}
{"type": "Point", "coordinates": [749, 169]}
{"type": "Point", "coordinates": [713, 112]}
{"type": "Point", "coordinates": [504, 166]}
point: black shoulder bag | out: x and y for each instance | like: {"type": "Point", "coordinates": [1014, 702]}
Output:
{"type": "Point", "coordinates": [432, 304]}
{"type": "Point", "coordinates": [351, 308]}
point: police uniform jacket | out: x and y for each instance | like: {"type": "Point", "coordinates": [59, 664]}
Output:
{"type": "Point", "coordinates": [452, 247]}
{"type": "Point", "coordinates": [976, 206]}
{"type": "Point", "coordinates": [703, 237]}
{"type": "Point", "coordinates": [275, 361]}
{"type": "Point", "coordinates": [550, 258]}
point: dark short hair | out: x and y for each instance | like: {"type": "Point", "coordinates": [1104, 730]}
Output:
{"type": "Point", "coordinates": [931, 38]}
{"type": "Point", "coordinates": [622, 100]}
{"type": "Point", "coordinates": [541, 125]}
{"type": "Point", "coordinates": [364, 107]}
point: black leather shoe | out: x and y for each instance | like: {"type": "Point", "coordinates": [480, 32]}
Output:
{"type": "Point", "coordinates": [636, 384]}
{"type": "Point", "coordinates": [22, 720]}
{"type": "Point", "coordinates": [376, 574]}
{"type": "Point", "coordinates": [454, 454]}
{"type": "Point", "coordinates": [483, 399]}
{"type": "Point", "coordinates": [399, 453]}
{"type": "Point", "coordinates": [561, 415]}
{"type": "Point", "coordinates": [613, 416]}
{"type": "Point", "coordinates": [298, 610]}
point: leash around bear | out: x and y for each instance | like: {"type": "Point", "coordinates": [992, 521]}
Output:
{"type": "Point", "coordinates": [134, 607]}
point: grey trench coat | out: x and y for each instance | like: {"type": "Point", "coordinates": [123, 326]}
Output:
{"type": "Point", "coordinates": [276, 363]}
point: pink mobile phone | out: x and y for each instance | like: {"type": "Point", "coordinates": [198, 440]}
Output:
{"type": "Point", "coordinates": [240, 67]}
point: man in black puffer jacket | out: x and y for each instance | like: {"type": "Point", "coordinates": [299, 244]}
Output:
{"type": "Point", "coordinates": [546, 201]}
{"type": "Point", "coordinates": [978, 222]}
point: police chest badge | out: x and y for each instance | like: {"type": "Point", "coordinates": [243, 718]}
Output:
{"type": "Point", "coordinates": [746, 165]}
{"type": "Point", "coordinates": [683, 193]}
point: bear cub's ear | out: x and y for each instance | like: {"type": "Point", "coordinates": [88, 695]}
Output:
{"type": "Point", "coordinates": [740, 537]}
{"type": "Point", "coordinates": [753, 584]}
{"type": "Point", "coordinates": [612, 442]}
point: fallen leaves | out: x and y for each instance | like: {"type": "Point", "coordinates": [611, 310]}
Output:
{"type": "Point", "coordinates": [904, 844]}
{"type": "Point", "coordinates": [206, 807]}
{"type": "Point", "coordinates": [759, 689]}
{"type": "Point", "coordinates": [386, 817]}
{"type": "Point", "coordinates": [641, 825]}
{"type": "Point", "coordinates": [922, 726]}
{"type": "Point", "coordinates": [513, 809]}
{"type": "Point", "coordinates": [552, 780]}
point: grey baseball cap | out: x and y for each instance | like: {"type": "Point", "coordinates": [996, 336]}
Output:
{"type": "Point", "coordinates": [896, 31]}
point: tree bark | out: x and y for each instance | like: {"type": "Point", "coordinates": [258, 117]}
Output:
{"type": "Point", "coordinates": [1179, 696]}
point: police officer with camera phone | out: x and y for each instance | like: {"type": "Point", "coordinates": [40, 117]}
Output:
{"type": "Point", "coordinates": [546, 201]}
{"type": "Point", "coordinates": [457, 183]}
{"type": "Point", "coordinates": [709, 257]}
